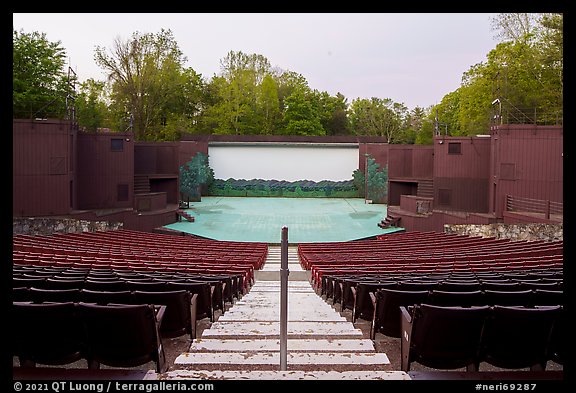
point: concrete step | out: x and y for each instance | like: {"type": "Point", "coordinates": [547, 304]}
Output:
{"type": "Point", "coordinates": [273, 261]}
{"type": "Point", "coordinates": [273, 274]}
{"type": "Point", "coordinates": [330, 375]}
{"type": "Point", "coordinates": [244, 343]}
{"type": "Point", "coordinates": [294, 345]}
{"type": "Point", "coordinates": [295, 329]}
{"type": "Point", "coordinates": [293, 358]}
{"type": "Point", "coordinates": [267, 316]}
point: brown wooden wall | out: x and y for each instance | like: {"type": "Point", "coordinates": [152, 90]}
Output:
{"type": "Point", "coordinates": [527, 162]}
{"type": "Point", "coordinates": [158, 162]}
{"type": "Point", "coordinates": [461, 173]}
{"type": "Point", "coordinates": [105, 170]}
{"type": "Point", "coordinates": [153, 158]}
{"type": "Point", "coordinates": [43, 167]}
{"type": "Point", "coordinates": [188, 149]}
{"type": "Point", "coordinates": [58, 170]}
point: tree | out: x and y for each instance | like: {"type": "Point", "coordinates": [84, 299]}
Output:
{"type": "Point", "coordinates": [301, 115]}
{"type": "Point", "coordinates": [514, 26]}
{"type": "Point", "coordinates": [147, 74]}
{"type": "Point", "coordinates": [447, 113]}
{"type": "Point", "coordinates": [194, 175]}
{"type": "Point", "coordinates": [40, 84]}
{"type": "Point", "coordinates": [378, 117]}
{"type": "Point", "coordinates": [333, 113]}
{"type": "Point", "coordinates": [377, 181]}
{"type": "Point", "coordinates": [91, 108]}
{"type": "Point", "coordinates": [268, 105]}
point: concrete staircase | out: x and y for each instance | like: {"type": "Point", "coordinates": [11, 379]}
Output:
{"type": "Point", "coordinates": [244, 343]}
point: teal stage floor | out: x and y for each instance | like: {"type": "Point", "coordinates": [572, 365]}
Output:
{"type": "Point", "coordinates": [261, 219]}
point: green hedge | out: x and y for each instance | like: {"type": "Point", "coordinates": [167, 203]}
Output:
{"type": "Point", "coordinates": [282, 188]}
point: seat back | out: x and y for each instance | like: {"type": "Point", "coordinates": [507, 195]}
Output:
{"type": "Point", "coordinates": [363, 307]}
{"type": "Point", "coordinates": [388, 302]}
{"type": "Point", "coordinates": [508, 298]}
{"type": "Point", "coordinates": [46, 333]}
{"type": "Point", "coordinates": [418, 285]}
{"type": "Point", "coordinates": [558, 343]}
{"type": "Point", "coordinates": [106, 297]}
{"type": "Point", "coordinates": [518, 337]}
{"type": "Point", "coordinates": [447, 337]}
{"type": "Point", "coordinates": [501, 285]}
{"type": "Point", "coordinates": [456, 299]}
{"type": "Point", "coordinates": [106, 285]}
{"type": "Point", "coordinates": [39, 295]}
{"type": "Point", "coordinates": [28, 282]}
{"type": "Point", "coordinates": [459, 286]}
{"type": "Point", "coordinates": [155, 286]}
{"type": "Point", "coordinates": [122, 335]}
{"type": "Point", "coordinates": [544, 297]}
{"type": "Point", "coordinates": [21, 294]}
{"type": "Point", "coordinates": [217, 285]}
{"type": "Point", "coordinates": [203, 289]}
{"type": "Point", "coordinates": [177, 318]}
{"type": "Point", "coordinates": [64, 283]}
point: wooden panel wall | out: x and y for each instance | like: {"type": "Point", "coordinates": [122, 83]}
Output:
{"type": "Point", "coordinates": [42, 167]}
{"type": "Point", "coordinates": [101, 170]}
{"type": "Point", "coordinates": [527, 162]}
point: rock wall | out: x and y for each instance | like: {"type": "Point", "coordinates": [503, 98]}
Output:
{"type": "Point", "coordinates": [47, 226]}
{"type": "Point", "coordinates": [534, 231]}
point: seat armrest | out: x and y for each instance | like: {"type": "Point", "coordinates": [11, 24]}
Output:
{"type": "Point", "coordinates": [161, 365]}
{"type": "Point", "coordinates": [354, 297]}
{"type": "Point", "coordinates": [405, 337]}
{"type": "Point", "coordinates": [159, 311]}
{"type": "Point", "coordinates": [223, 292]}
{"type": "Point", "coordinates": [193, 315]}
{"type": "Point", "coordinates": [374, 317]}
{"type": "Point", "coordinates": [212, 313]}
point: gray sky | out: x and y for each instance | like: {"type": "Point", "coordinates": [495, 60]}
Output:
{"type": "Point", "coordinates": [412, 58]}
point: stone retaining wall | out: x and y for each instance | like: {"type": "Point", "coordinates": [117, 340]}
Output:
{"type": "Point", "coordinates": [534, 231]}
{"type": "Point", "coordinates": [47, 226]}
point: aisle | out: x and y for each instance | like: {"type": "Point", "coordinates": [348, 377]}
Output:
{"type": "Point", "coordinates": [244, 343]}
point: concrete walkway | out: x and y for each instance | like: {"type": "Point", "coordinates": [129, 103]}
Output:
{"type": "Point", "coordinates": [244, 343]}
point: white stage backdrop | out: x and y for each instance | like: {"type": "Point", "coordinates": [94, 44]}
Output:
{"type": "Point", "coordinates": [290, 162]}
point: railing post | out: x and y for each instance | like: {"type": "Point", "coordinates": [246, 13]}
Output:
{"type": "Point", "coordinates": [547, 212]}
{"type": "Point", "coordinates": [284, 272]}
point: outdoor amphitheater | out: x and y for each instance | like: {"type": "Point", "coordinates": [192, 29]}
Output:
{"type": "Point", "coordinates": [455, 272]}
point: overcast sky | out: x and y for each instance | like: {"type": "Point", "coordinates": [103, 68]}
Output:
{"type": "Point", "coordinates": [412, 58]}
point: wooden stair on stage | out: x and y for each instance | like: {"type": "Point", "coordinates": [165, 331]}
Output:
{"type": "Point", "coordinates": [389, 221]}
{"type": "Point", "coordinates": [182, 213]}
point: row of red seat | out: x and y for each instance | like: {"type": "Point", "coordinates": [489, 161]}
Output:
{"type": "Point", "coordinates": [473, 254]}
{"type": "Point", "coordinates": [122, 243]}
{"type": "Point", "coordinates": [142, 251]}
{"type": "Point", "coordinates": [474, 248]}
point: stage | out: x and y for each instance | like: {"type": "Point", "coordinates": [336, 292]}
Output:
{"type": "Point", "coordinates": [309, 220]}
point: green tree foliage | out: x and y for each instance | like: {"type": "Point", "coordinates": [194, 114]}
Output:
{"type": "Point", "coordinates": [40, 84]}
{"type": "Point", "coordinates": [268, 108]}
{"type": "Point", "coordinates": [333, 113]}
{"type": "Point", "coordinates": [91, 108]}
{"type": "Point", "coordinates": [301, 114]}
{"type": "Point", "coordinates": [247, 102]}
{"type": "Point", "coordinates": [378, 117]}
{"type": "Point", "coordinates": [525, 72]}
{"type": "Point", "coordinates": [149, 81]}
{"type": "Point", "coordinates": [151, 92]}
{"type": "Point", "coordinates": [377, 182]}
{"type": "Point", "coordinates": [194, 175]}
